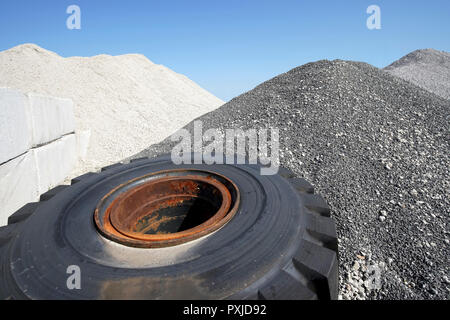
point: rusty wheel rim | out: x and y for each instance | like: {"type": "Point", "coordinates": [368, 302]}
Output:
{"type": "Point", "coordinates": [167, 208]}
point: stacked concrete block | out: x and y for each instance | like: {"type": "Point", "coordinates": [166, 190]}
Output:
{"type": "Point", "coordinates": [14, 125]}
{"type": "Point", "coordinates": [51, 118]}
{"type": "Point", "coordinates": [83, 138]}
{"type": "Point", "coordinates": [19, 185]}
{"type": "Point", "coordinates": [38, 147]}
{"type": "Point", "coordinates": [54, 161]}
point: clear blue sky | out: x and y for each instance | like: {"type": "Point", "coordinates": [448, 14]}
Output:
{"type": "Point", "coordinates": [230, 46]}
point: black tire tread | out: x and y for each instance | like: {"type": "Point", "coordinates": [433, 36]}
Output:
{"type": "Point", "coordinates": [316, 257]}
{"type": "Point", "coordinates": [7, 232]}
{"type": "Point", "coordinates": [286, 287]}
{"type": "Point", "coordinates": [82, 177]}
{"type": "Point", "coordinates": [52, 192]}
{"type": "Point", "coordinates": [138, 159]}
{"type": "Point", "coordinates": [319, 265]}
{"type": "Point", "coordinates": [316, 204]}
{"type": "Point", "coordinates": [113, 166]}
{"type": "Point", "coordinates": [302, 185]}
{"type": "Point", "coordinates": [322, 230]}
{"type": "Point", "coordinates": [286, 173]}
{"type": "Point", "coordinates": [23, 213]}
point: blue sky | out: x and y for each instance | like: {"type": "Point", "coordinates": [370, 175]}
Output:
{"type": "Point", "coordinates": [230, 46]}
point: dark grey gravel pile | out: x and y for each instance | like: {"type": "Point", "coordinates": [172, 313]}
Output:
{"type": "Point", "coordinates": [427, 68]}
{"type": "Point", "coordinates": [376, 147]}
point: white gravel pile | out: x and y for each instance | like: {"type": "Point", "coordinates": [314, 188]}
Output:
{"type": "Point", "coordinates": [124, 103]}
{"type": "Point", "coordinates": [426, 68]}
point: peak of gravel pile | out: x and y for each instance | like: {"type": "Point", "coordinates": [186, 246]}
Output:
{"type": "Point", "coordinates": [376, 147]}
{"type": "Point", "coordinates": [426, 68]}
{"type": "Point", "coordinates": [126, 102]}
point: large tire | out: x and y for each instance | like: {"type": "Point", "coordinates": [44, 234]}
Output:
{"type": "Point", "coordinates": [281, 244]}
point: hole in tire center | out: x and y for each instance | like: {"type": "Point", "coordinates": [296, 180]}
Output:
{"type": "Point", "coordinates": [166, 207]}
{"type": "Point", "coordinates": [188, 213]}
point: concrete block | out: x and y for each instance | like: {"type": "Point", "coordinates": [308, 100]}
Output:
{"type": "Point", "coordinates": [67, 115]}
{"type": "Point", "coordinates": [15, 126]}
{"type": "Point", "coordinates": [38, 148]}
{"type": "Point", "coordinates": [18, 185]}
{"type": "Point", "coordinates": [51, 118]}
{"type": "Point", "coordinates": [69, 155]}
{"type": "Point", "coordinates": [55, 161]}
{"type": "Point", "coordinates": [83, 138]}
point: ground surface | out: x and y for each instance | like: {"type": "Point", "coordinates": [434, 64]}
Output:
{"type": "Point", "coordinates": [376, 147]}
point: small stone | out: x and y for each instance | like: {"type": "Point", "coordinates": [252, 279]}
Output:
{"type": "Point", "coordinates": [383, 213]}
{"type": "Point", "coordinates": [382, 218]}
{"type": "Point", "coordinates": [388, 166]}
{"type": "Point", "coordinates": [414, 192]}
{"type": "Point", "coordinates": [446, 279]}
{"type": "Point", "coordinates": [433, 291]}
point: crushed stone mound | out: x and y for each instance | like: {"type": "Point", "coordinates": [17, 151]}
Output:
{"type": "Point", "coordinates": [376, 147]}
{"type": "Point", "coordinates": [427, 68]}
{"type": "Point", "coordinates": [127, 102]}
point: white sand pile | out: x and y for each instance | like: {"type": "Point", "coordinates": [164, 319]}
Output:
{"type": "Point", "coordinates": [126, 102]}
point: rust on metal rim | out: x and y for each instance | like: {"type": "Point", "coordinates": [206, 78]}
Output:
{"type": "Point", "coordinates": [167, 208]}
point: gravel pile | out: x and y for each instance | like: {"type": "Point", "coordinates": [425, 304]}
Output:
{"type": "Point", "coordinates": [427, 68]}
{"type": "Point", "coordinates": [124, 103]}
{"type": "Point", "coordinates": [376, 147]}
